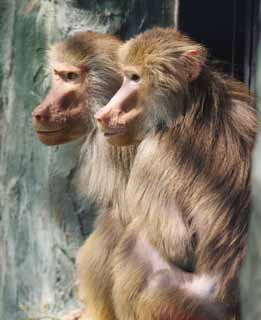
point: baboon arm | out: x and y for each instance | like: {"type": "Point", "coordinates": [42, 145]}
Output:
{"type": "Point", "coordinates": [167, 296]}
{"type": "Point", "coordinates": [163, 290]}
{"type": "Point", "coordinates": [223, 258]}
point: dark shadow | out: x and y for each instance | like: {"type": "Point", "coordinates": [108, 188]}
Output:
{"type": "Point", "coordinates": [221, 26]}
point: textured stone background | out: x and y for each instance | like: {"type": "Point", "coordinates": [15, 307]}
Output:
{"type": "Point", "coordinates": [41, 221]}
{"type": "Point", "coordinates": [251, 273]}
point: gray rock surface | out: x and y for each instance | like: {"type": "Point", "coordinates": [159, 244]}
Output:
{"type": "Point", "coordinates": [42, 223]}
{"type": "Point", "coordinates": [251, 272]}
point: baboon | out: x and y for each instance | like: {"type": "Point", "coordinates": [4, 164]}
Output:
{"type": "Point", "coordinates": [85, 75]}
{"type": "Point", "coordinates": [188, 194]}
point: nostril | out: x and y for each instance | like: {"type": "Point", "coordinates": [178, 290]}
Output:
{"type": "Point", "coordinates": [42, 112]}
{"type": "Point", "coordinates": [98, 116]}
{"type": "Point", "coordinates": [99, 119]}
{"type": "Point", "coordinates": [40, 117]}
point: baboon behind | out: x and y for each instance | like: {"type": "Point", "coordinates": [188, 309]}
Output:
{"type": "Point", "coordinates": [85, 75]}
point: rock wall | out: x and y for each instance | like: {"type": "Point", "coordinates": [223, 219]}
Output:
{"type": "Point", "coordinates": [42, 223]}
{"type": "Point", "coordinates": [251, 272]}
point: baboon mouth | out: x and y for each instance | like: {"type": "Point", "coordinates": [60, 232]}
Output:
{"type": "Point", "coordinates": [48, 132]}
{"type": "Point", "coordinates": [114, 133]}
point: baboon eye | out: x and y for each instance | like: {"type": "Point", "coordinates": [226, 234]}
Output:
{"type": "Point", "coordinates": [68, 76]}
{"type": "Point", "coordinates": [135, 77]}
{"type": "Point", "coordinates": [71, 76]}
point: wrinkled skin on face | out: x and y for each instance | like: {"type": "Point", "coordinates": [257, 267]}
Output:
{"type": "Point", "coordinates": [63, 115]}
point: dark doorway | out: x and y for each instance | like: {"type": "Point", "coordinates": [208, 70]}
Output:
{"type": "Point", "coordinates": [227, 29]}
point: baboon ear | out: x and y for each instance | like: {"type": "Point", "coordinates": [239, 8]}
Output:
{"type": "Point", "coordinates": [194, 59]}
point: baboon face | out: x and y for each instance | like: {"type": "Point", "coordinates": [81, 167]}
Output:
{"type": "Point", "coordinates": [63, 115]}
{"type": "Point", "coordinates": [158, 67]}
{"type": "Point", "coordinates": [84, 77]}
{"type": "Point", "coordinates": [122, 119]}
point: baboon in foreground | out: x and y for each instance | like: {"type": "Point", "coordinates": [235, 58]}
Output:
{"type": "Point", "coordinates": [188, 194]}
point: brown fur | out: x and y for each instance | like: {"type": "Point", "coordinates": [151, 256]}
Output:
{"type": "Point", "coordinates": [188, 195]}
{"type": "Point", "coordinates": [102, 178]}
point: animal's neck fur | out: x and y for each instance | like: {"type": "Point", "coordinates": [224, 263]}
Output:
{"type": "Point", "coordinates": [103, 171]}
